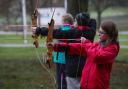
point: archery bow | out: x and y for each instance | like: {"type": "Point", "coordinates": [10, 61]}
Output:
{"type": "Point", "coordinates": [50, 40]}
{"type": "Point", "coordinates": [34, 24]}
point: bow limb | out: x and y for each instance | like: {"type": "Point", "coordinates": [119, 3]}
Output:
{"type": "Point", "coordinates": [34, 25]}
{"type": "Point", "coordinates": [50, 40]}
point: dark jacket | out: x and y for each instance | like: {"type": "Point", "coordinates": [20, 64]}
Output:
{"type": "Point", "coordinates": [85, 31]}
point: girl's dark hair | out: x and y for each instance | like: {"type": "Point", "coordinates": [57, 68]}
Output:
{"type": "Point", "coordinates": [110, 28]}
{"type": "Point", "coordinates": [82, 19]}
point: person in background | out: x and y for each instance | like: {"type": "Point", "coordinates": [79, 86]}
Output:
{"type": "Point", "coordinates": [59, 57]}
{"type": "Point", "coordinates": [85, 27]}
{"type": "Point", "coordinates": [100, 56]}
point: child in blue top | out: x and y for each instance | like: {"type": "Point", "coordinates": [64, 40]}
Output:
{"type": "Point", "coordinates": [59, 57]}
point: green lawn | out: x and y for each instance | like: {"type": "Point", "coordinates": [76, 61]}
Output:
{"type": "Point", "coordinates": [11, 39]}
{"type": "Point", "coordinates": [18, 39]}
{"type": "Point", "coordinates": [21, 69]}
{"type": "Point", "coordinates": [123, 55]}
{"type": "Point", "coordinates": [123, 36]}
{"type": "Point", "coordinates": [19, 53]}
{"type": "Point", "coordinates": [119, 76]}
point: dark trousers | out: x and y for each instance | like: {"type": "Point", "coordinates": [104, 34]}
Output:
{"type": "Point", "coordinates": [60, 76]}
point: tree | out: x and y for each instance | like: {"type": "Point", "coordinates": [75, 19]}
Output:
{"type": "Point", "coordinates": [4, 9]}
{"type": "Point", "coordinates": [76, 6]}
{"type": "Point", "coordinates": [11, 9]}
{"type": "Point", "coordinates": [121, 3]}
{"type": "Point", "coordinates": [99, 7]}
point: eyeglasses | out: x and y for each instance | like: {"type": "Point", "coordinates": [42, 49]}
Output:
{"type": "Point", "coordinates": [101, 32]}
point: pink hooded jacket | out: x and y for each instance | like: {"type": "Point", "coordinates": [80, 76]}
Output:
{"type": "Point", "coordinates": [96, 72]}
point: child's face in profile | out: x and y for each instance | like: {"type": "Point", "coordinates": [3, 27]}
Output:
{"type": "Point", "coordinates": [103, 35]}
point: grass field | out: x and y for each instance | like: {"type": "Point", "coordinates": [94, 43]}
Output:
{"type": "Point", "coordinates": [17, 39]}
{"type": "Point", "coordinates": [21, 69]}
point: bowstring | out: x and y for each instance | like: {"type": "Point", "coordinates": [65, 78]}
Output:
{"type": "Point", "coordinates": [53, 13]}
{"type": "Point", "coordinates": [78, 65]}
{"type": "Point", "coordinates": [39, 58]}
{"type": "Point", "coordinates": [44, 67]}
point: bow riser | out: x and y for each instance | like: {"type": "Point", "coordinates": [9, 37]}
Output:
{"type": "Point", "coordinates": [34, 24]}
{"type": "Point", "coordinates": [50, 40]}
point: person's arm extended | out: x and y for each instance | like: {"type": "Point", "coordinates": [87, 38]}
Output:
{"type": "Point", "coordinates": [57, 33]}
{"type": "Point", "coordinates": [74, 34]}
{"type": "Point", "coordinates": [41, 31]}
{"type": "Point", "coordinates": [66, 34]}
{"type": "Point", "coordinates": [73, 48]}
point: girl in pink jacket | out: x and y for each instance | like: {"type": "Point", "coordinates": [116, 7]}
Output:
{"type": "Point", "coordinates": [100, 56]}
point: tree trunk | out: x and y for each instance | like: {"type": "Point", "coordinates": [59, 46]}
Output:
{"type": "Point", "coordinates": [76, 6]}
{"type": "Point", "coordinates": [7, 18]}
{"type": "Point", "coordinates": [98, 18]}
{"type": "Point", "coordinates": [33, 4]}
{"type": "Point", "coordinates": [83, 5]}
